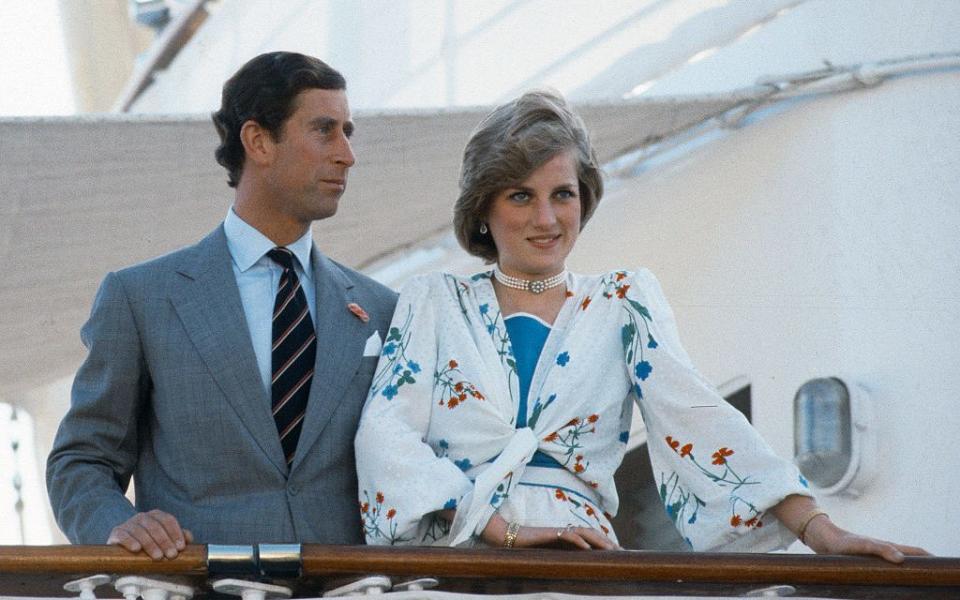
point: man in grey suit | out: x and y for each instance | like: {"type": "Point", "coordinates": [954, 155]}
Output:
{"type": "Point", "coordinates": [227, 378]}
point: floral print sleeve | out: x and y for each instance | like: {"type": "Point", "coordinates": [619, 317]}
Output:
{"type": "Point", "coordinates": [403, 480]}
{"type": "Point", "coordinates": [716, 476]}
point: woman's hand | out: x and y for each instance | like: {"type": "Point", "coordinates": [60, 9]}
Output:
{"type": "Point", "coordinates": [824, 537]}
{"type": "Point", "coordinates": [583, 538]}
{"type": "Point", "coordinates": [815, 529]}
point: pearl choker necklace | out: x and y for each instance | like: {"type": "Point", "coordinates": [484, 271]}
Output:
{"type": "Point", "coordinates": [535, 286]}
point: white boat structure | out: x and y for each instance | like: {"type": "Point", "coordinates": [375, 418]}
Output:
{"type": "Point", "coordinates": [790, 170]}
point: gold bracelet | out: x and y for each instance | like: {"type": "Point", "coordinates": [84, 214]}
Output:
{"type": "Point", "coordinates": [810, 516]}
{"type": "Point", "coordinates": [511, 536]}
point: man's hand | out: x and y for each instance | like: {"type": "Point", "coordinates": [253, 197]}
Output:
{"type": "Point", "coordinates": [157, 533]}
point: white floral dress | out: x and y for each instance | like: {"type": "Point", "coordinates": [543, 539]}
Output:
{"type": "Point", "coordinates": [439, 430]}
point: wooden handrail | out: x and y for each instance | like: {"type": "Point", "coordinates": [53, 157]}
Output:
{"type": "Point", "coordinates": [337, 561]}
{"type": "Point", "coordinates": [629, 566]}
{"type": "Point", "coordinates": [36, 560]}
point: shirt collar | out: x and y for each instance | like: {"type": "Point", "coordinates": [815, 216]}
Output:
{"type": "Point", "coordinates": [247, 245]}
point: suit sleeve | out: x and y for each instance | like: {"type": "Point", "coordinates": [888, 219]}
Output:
{"type": "Point", "coordinates": [95, 450]}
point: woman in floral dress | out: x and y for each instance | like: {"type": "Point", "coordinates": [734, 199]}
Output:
{"type": "Point", "coordinates": [502, 402]}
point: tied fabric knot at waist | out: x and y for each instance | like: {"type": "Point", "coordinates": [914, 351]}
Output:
{"type": "Point", "coordinates": [495, 481]}
{"type": "Point", "coordinates": [493, 486]}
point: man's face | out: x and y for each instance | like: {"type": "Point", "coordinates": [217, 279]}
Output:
{"type": "Point", "coordinates": [308, 173]}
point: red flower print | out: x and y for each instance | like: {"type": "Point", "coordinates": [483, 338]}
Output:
{"type": "Point", "coordinates": [621, 276]}
{"type": "Point", "coordinates": [750, 522]}
{"type": "Point", "coordinates": [452, 364]}
{"type": "Point", "coordinates": [590, 511]}
{"type": "Point", "coordinates": [585, 303]}
{"type": "Point", "coordinates": [720, 456]}
{"type": "Point", "coordinates": [560, 495]}
{"type": "Point", "coordinates": [578, 466]}
{"type": "Point", "coordinates": [391, 513]}
{"type": "Point", "coordinates": [458, 387]}
{"type": "Point", "coordinates": [552, 437]}
{"type": "Point", "coordinates": [461, 397]}
{"type": "Point", "coordinates": [572, 422]}
{"type": "Point", "coordinates": [452, 402]}
{"type": "Point", "coordinates": [604, 529]}
{"type": "Point", "coordinates": [686, 450]}
{"type": "Point", "coordinates": [672, 443]}
{"type": "Point", "coordinates": [735, 521]}
{"type": "Point", "coordinates": [569, 294]}
{"type": "Point", "coordinates": [593, 418]}
{"type": "Point", "coordinates": [365, 507]}
{"type": "Point", "coordinates": [622, 291]}
{"type": "Point", "coordinates": [379, 497]}
{"type": "Point", "coordinates": [594, 484]}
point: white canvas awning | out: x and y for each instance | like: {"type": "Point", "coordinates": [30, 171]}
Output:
{"type": "Point", "coordinates": [86, 195]}
{"type": "Point", "coordinates": [83, 196]}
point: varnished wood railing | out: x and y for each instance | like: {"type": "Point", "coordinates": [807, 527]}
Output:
{"type": "Point", "coordinates": [34, 570]}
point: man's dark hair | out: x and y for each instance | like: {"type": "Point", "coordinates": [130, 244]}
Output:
{"type": "Point", "coordinates": [263, 90]}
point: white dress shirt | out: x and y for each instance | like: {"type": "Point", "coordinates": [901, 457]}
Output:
{"type": "Point", "coordinates": [258, 278]}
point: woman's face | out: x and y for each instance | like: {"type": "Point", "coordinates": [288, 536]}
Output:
{"type": "Point", "coordinates": [536, 223]}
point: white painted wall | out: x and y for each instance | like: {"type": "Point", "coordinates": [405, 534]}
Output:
{"type": "Point", "coordinates": [822, 241]}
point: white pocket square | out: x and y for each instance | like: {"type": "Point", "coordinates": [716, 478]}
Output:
{"type": "Point", "coordinates": [373, 345]}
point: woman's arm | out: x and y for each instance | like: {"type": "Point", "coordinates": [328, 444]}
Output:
{"type": "Point", "coordinates": [814, 528]}
{"type": "Point", "coordinates": [402, 480]}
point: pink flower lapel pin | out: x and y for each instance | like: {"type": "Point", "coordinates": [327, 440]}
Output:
{"type": "Point", "coordinates": [358, 312]}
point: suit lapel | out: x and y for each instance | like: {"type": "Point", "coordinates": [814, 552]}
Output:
{"type": "Point", "coordinates": [208, 303]}
{"type": "Point", "coordinates": [340, 340]}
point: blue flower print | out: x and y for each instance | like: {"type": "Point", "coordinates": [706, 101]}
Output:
{"type": "Point", "coordinates": [651, 343]}
{"type": "Point", "coordinates": [397, 368]}
{"type": "Point", "coordinates": [563, 358]}
{"type": "Point", "coordinates": [390, 391]}
{"type": "Point", "coordinates": [413, 366]}
{"type": "Point", "coordinates": [443, 444]}
{"type": "Point", "coordinates": [803, 481]}
{"type": "Point", "coordinates": [463, 464]}
{"type": "Point", "coordinates": [484, 308]}
{"type": "Point", "coordinates": [624, 437]}
{"type": "Point", "coordinates": [491, 328]}
{"type": "Point", "coordinates": [389, 349]}
{"type": "Point", "coordinates": [450, 505]}
{"type": "Point", "coordinates": [643, 370]}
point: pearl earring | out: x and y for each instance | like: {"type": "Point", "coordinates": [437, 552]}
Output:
{"type": "Point", "coordinates": [483, 229]}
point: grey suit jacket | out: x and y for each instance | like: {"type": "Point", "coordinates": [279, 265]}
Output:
{"type": "Point", "coordinates": [170, 394]}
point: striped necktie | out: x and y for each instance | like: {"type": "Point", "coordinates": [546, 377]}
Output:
{"type": "Point", "coordinates": [294, 352]}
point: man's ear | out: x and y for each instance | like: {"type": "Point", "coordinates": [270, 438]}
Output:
{"type": "Point", "coordinates": [258, 144]}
